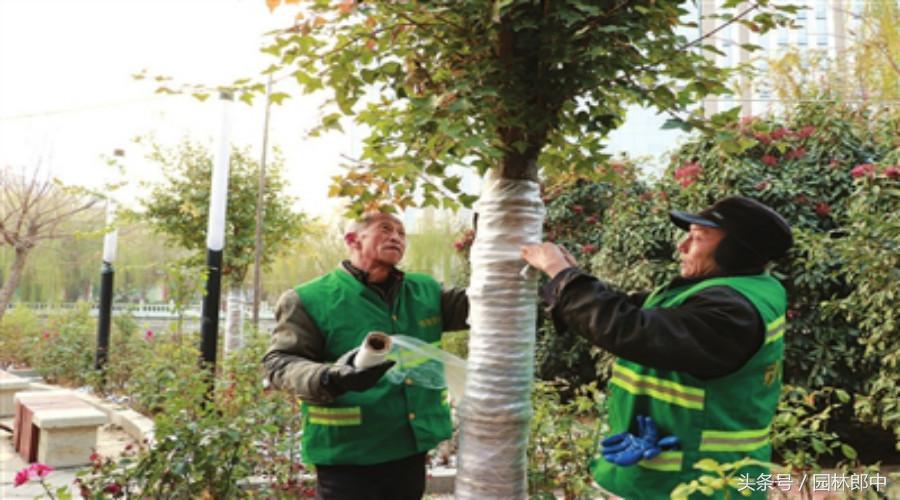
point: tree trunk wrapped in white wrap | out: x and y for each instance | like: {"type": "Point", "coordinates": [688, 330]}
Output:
{"type": "Point", "coordinates": [234, 319]}
{"type": "Point", "coordinates": [496, 409]}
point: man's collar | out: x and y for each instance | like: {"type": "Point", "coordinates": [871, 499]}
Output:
{"type": "Point", "coordinates": [363, 276]}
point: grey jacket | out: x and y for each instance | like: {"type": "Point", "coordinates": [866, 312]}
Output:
{"type": "Point", "coordinates": [295, 358]}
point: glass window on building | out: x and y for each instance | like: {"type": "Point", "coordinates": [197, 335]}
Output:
{"type": "Point", "coordinates": [782, 37]}
{"type": "Point", "coordinates": [821, 9]}
{"type": "Point", "coordinates": [856, 9]}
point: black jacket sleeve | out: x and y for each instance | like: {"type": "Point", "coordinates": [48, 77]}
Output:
{"type": "Point", "coordinates": [713, 333]}
{"type": "Point", "coordinates": [454, 309]}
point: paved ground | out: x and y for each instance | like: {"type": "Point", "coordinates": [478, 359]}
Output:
{"type": "Point", "coordinates": [111, 440]}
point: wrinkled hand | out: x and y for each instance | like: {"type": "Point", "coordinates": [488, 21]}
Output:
{"type": "Point", "coordinates": [548, 257]}
{"type": "Point", "coordinates": [627, 449]}
{"type": "Point", "coordinates": [343, 376]}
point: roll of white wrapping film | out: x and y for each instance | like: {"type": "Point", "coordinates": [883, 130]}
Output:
{"type": "Point", "coordinates": [373, 351]}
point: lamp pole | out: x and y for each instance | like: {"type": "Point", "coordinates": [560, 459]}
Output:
{"type": "Point", "coordinates": [107, 272]}
{"type": "Point", "coordinates": [215, 242]}
{"type": "Point", "coordinates": [260, 199]}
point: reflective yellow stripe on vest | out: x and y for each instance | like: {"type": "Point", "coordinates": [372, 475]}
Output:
{"type": "Point", "coordinates": [667, 461]}
{"type": "Point", "coordinates": [663, 390]}
{"type": "Point", "coordinates": [734, 440]}
{"type": "Point", "coordinates": [328, 415]}
{"type": "Point", "coordinates": [775, 330]}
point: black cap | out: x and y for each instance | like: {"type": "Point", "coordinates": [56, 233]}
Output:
{"type": "Point", "coordinates": [754, 226]}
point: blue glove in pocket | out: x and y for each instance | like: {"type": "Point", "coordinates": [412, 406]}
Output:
{"type": "Point", "coordinates": [626, 449]}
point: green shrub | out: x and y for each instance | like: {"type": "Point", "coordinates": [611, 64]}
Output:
{"type": "Point", "coordinates": [563, 439]}
{"type": "Point", "coordinates": [207, 445]}
{"type": "Point", "coordinates": [19, 326]}
{"type": "Point", "coordinates": [64, 352]}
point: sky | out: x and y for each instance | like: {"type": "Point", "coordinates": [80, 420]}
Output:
{"type": "Point", "coordinates": [67, 98]}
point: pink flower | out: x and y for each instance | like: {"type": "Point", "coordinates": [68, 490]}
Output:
{"type": "Point", "coordinates": [33, 471]}
{"type": "Point", "coordinates": [762, 137]}
{"type": "Point", "coordinates": [45, 335]}
{"type": "Point", "coordinates": [21, 478]}
{"type": "Point", "coordinates": [577, 209]}
{"type": "Point", "coordinates": [40, 470]}
{"type": "Point", "coordinates": [806, 131]}
{"type": "Point", "coordinates": [779, 132]}
{"type": "Point", "coordinates": [863, 169]}
{"type": "Point", "coordinates": [892, 172]}
{"type": "Point", "coordinates": [823, 209]}
{"type": "Point", "coordinates": [770, 160]}
{"type": "Point", "coordinates": [588, 248]}
{"type": "Point", "coordinates": [113, 488]}
{"type": "Point", "coordinates": [796, 154]}
{"type": "Point", "coordinates": [688, 173]}
{"type": "Point", "coordinates": [148, 335]}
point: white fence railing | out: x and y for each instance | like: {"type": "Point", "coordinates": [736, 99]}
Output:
{"type": "Point", "coordinates": [145, 310]}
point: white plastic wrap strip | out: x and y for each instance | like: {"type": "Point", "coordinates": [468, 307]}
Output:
{"type": "Point", "coordinates": [496, 409]}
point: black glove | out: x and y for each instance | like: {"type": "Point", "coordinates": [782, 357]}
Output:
{"type": "Point", "coordinates": [343, 376]}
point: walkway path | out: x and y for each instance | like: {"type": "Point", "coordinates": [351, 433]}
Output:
{"type": "Point", "coordinates": [125, 427]}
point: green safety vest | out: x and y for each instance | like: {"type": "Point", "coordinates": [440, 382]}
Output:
{"type": "Point", "coordinates": [388, 421]}
{"type": "Point", "coordinates": [725, 419]}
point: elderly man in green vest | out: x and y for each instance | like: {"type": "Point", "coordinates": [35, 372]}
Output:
{"type": "Point", "coordinates": [699, 368]}
{"type": "Point", "coordinates": [366, 436]}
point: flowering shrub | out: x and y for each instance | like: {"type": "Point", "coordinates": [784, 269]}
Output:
{"type": "Point", "coordinates": [205, 448]}
{"type": "Point", "coordinates": [576, 208]}
{"type": "Point", "coordinates": [64, 352]}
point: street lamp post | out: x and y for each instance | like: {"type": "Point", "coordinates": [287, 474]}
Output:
{"type": "Point", "coordinates": [215, 242]}
{"type": "Point", "coordinates": [107, 273]}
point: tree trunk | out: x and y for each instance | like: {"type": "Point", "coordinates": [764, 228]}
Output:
{"type": "Point", "coordinates": [12, 281]}
{"type": "Point", "coordinates": [496, 409]}
{"type": "Point", "coordinates": [234, 319]}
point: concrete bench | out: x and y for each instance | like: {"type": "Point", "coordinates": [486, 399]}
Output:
{"type": "Point", "coordinates": [56, 428]}
{"type": "Point", "coordinates": [9, 386]}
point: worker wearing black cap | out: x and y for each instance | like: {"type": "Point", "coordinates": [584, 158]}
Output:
{"type": "Point", "coordinates": [699, 368]}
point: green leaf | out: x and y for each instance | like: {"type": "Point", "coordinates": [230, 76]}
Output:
{"type": "Point", "coordinates": [278, 97]}
{"type": "Point", "coordinates": [848, 451]}
{"type": "Point", "coordinates": [842, 395]}
{"type": "Point", "coordinates": [677, 123]}
{"type": "Point", "coordinates": [707, 465]}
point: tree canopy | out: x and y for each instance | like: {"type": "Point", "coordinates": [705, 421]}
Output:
{"type": "Point", "coordinates": [178, 207]}
{"type": "Point", "coordinates": [510, 85]}
{"type": "Point", "coordinates": [506, 84]}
